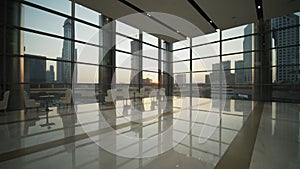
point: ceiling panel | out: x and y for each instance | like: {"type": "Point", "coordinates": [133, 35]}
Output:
{"type": "Point", "coordinates": [278, 8]}
{"type": "Point", "coordinates": [229, 13]}
{"type": "Point", "coordinates": [178, 8]}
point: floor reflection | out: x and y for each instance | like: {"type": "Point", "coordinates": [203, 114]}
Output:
{"type": "Point", "coordinates": [73, 142]}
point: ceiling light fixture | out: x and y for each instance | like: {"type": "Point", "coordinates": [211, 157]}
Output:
{"type": "Point", "coordinates": [259, 7]}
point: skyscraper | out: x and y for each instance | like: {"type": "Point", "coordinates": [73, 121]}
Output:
{"type": "Point", "coordinates": [239, 72]}
{"type": "Point", "coordinates": [50, 74]}
{"type": "Point", "coordinates": [288, 55]}
{"type": "Point", "coordinates": [247, 57]}
{"type": "Point", "coordinates": [35, 68]}
{"type": "Point", "coordinates": [135, 62]}
{"type": "Point", "coordinates": [66, 55]}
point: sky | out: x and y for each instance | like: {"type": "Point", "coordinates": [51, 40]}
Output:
{"type": "Point", "coordinates": [52, 47]}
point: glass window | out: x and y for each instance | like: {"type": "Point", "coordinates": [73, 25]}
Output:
{"type": "Point", "coordinates": [150, 78]}
{"type": "Point", "coordinates": [84, 70]}
{"type": "Point", "coordinates": [46, 46]}
{"type": "Point", "coordinates": [150, 51]}
{"type": "Point", "coordinates": [180, 67]}
{"type": "Point", "coordinates": [123, 59]}
{"type": "Point", "coordinates": [87, 33]}
{"type": "Point", "coordinates": [87, 53]}
{"type": "Point", "coordinates": [150, 39]}
{"type": "Point", "coordinates": [238, 45]}
{"type": "Point", "coordinates": [238, 31]}
{"type": "Point", "coordinates": [127, 30]}
{"type": "Point", "coordinates": [123, 43]}
{"type": "Point", "coordinates": [47, 22]}
{"type": "Point", "coordinates": [150, 64]}
{"type": "Point", "coordinates": [183, 54]}
{"type": "Point", "coordinates": [87, 14]}
{"type": "Point", "coordinates": [205, 64]}
{"type": "Point", "coordinates": [63, 6]}
{"type": "Point", "coordinates": [181, 44]}
{"type": "Point", "coordinates": [212, 49]}
{"type": "Point", "coordinates": [206, 39]}
{"type": "Point", "coordinates": [123, 76]}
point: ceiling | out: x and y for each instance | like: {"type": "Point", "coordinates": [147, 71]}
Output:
{"type": "Point", "coordinates": [224, 14]}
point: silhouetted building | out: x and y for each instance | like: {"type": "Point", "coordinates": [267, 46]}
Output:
{"type": "Point", "coordinates": [35, 68]}
{"type": "Point", "coordinates": [247, 57]}
{"type": "Point", "coordinates": [290, 55]}
{"type": "Point", "coordinates": [50, 74]}
{"type": "Point", "coordinates": [239, 72]}
{"type": "Point", "coordinates": [65, 75]}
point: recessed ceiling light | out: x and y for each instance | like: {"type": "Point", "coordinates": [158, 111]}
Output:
{"type": "Point", "coordinates": [211, 21]}
{"type": "Point", "coordinates": [177, 31]}
{"type": "Point", "coordinates": [259, 7]}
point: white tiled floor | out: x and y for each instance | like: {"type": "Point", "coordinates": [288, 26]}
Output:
{"type": "Point", "coordinates": [20, 132]}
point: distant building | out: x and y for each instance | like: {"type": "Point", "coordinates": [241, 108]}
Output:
{"type": "Point", "coordinates": [135, 63]}
{"type": "Point", "coordinates": [35, 68]}
{"type": "Point", "coordinates": [239, 72]}
{"type": "Point", "coordinates": [290, 55]}
{"type": "Point", "coordinates": [207, 79]}
{"type": "Point", "coordinates": [59, 70]}
{"type": "Point", "coordinates": [65, 74]}
{"type": "Point", "coordinates": [147, 81]}
{"type": "Point", "coordinates": [50, 74]}
{"type": "Point", "coordinates": [247, 57]}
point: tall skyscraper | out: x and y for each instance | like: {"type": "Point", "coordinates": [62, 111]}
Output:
{"type": "Point", "coordinates": [135, 62]}
{"type": "Point", "coordinates": [247, 57]}
{"type": "Point", "coordinates": [65, 74]}
{"type": "Point", "coordinates": [239, 72]}
{"type": "Point", "coordinates": [50, 74]}
{"type": "Point", "coordinates": [288, 55]}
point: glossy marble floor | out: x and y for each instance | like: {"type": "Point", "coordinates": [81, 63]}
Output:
{"type": "Point", "coordinates": [201, 133]}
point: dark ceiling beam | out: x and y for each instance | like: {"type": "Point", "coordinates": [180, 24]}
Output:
{"type": "Point", "coordinates": [259, 9]}
{"type": "Point", "coordinates": [151, 17]}
{"type": "Point", "coordinates": [203, 14]}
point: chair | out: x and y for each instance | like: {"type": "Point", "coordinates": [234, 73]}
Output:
{"type": "Point", "coordinates": [30, 103]}
{"type": "Point", "coordinates": [66, 100]}
{"type": "Point", "coordinates": [4, 102]}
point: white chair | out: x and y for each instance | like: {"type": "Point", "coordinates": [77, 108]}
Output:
{"type": "Point", "coordinates": [30, 103]}
{"type": "Point", "coordinates": [4, 102]}
{"type": "Point", "coordinates": [66, 100]}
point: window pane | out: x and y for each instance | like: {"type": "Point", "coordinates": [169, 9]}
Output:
{"type": "Point", "coordinates": [127, 30]}
{"type": "Point", "coordinates": [206, 38]}
{"type": "Point", "coordinates": [123, 59]}
{"type": "Point", "coordinates": [87, 14]}
{"type": "Point", "coordinates": [49, 47]}
{"type": "Point", "coordinates": [86, 33]}
{"type": "Point", "coordinates": [150, 64]}
{"type": "Point", "coordinates": [212, 49]}
{"type": "Point", "coordinates": [181, 67]}
{"type": "Point", "coordinates": [87, 53]}
{"type": "Point", "coordinates": [123, 76]}
{"type": "Point", "coordinates": [150, 39]}
{"type": "Point", "coordinates": [238, 31]}
{"type": "Point", "coordinates": [181, 55]}
{"type": "Point", "coordinates": [123, 43]}
{"type": "Point", "coordinates": [87, 73]}
{"type": "Point", "coordinates": [44, 21]}
{"type": "Point", "coordinates": [63, 6]}
{"type": "Point", "coordinates": [238, 45]}
{"type": "Point", "coordinates": [150, 51]}
{"type": "Point", "coordinates": [205, 64]}
{"type": "Point", "coordinates": [181, 44]}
